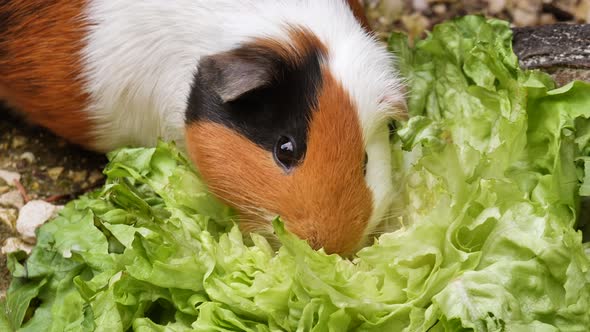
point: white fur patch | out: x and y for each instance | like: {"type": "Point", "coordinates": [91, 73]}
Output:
{"type": "Point", "coordinates": [141, 57]}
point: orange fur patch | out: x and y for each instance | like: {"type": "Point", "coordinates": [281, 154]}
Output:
{"type": "Point", "coordinates": [359, 13]}
{"type": "Point", "coordinates": [333, 203]}
{"type": "Point", "coordinates": [324, 200]}
{"type": "Point", "coordinates": [40, 67]}
{"type": "Point", "coordinates": [303, 42]}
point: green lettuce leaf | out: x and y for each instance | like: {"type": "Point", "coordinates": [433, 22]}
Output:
{"type": "Point", "coordinates": [491, 168]}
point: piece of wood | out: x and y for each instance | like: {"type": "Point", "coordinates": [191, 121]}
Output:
{"type": "Point", "coordinates": [564, 45]}
{"type": "Point", "coordinates": [562, 50]}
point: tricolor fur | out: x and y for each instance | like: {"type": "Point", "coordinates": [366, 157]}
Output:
{"type": "Point", "coordinates": [224, 78]}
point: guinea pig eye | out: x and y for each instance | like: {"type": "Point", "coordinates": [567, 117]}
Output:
{"type": "Point", "coordinates": [392, 129]}
{"type": "Point", "coordinates": [285, 153]}
{"type": "Point", "coordinates": [365, 161]}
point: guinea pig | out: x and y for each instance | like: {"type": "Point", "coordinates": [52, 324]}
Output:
{"type": "Point", "coordinates": [283, 106]}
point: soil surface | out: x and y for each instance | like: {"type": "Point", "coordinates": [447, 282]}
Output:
{"type": "Point", "coordinates": [53, 170]}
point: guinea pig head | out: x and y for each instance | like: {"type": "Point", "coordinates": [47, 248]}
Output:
{"type": "Point", "coordinates": [274, 133]}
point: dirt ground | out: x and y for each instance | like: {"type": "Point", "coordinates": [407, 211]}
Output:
{"type": "Point", "coordinates": [417, 16]}
{"type": "Point", "coordinates": [53, 170]}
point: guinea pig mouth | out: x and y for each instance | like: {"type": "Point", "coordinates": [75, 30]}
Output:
{"type": "Point", "coordinates": [342, 242]}
{"type": "Point", "coordinates": [333, 236]}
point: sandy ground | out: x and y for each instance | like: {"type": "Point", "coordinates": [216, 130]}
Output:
{"type": "Point", "coordinates": [53, 170]}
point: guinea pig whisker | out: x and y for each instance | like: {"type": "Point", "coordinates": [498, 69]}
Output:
{"type": "Point", "coordinates": [251, 209]}
{"type": "Point", "coordinates": [386, 223]}
{"type": "Point", "coordinates": [225, 192]}
{"type": "Point", "coordinates": [389, 216]}
{"type": "Point", "coordinates": [258, 217]}
{"type": "Point", "coordinates": [258, 226]}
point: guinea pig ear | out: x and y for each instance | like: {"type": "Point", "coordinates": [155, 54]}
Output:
{"type": "Point", "coordinates": [232, 74]}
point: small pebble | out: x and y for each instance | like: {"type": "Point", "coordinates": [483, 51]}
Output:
{"type": "Point", "coordinates": [12, 199]}
{"type": "Point", "coordinates": [415, 24]}
{"type": "Point", "coordinates": [55, 172]}
{"type": "Point", "coordinates": [8, 216]}
{"type": "Point", "coordinates": [94, 177]}
{"type": "Point", "coordinates": [496, 6]}
{"type": "Point", "coordinates": [524, 17]}
{"type": "Point", "coordinates": [420, 5]}
{"type": "Point", "coordinates": [18, 141]}
{"type": "Point", "coordinates": [582, 12]}
{"type": "Point", "coordinates": [529, 5]}
{"type": "Point", "coordinates": [390, 10]}
{"type": "Point", "coordinates": [32, 215]}
{"type": "Point", "coordinates": [13, 244]}
{"type": "Point", "coordinates": [78, 176]}
{"type": "Point", "coordinates": [9, 177]}
{"type": "Point", "coordinates": [547, 19]}
{"type": "Point", "coordinates": [4, 189]}
{"type": "Point", "coordinates": [28, 156]}
{"type": "Point", "coordinates": [439, 8]}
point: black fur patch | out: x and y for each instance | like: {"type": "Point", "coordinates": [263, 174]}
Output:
{"type": "Point", "coordinates": [279, 104]}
